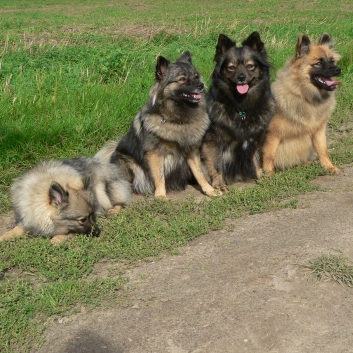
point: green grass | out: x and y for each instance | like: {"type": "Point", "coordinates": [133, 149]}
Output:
{"type": "Point", "coordinates": [72, 76]}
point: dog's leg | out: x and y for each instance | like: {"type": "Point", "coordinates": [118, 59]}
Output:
{"type": "Point", "coordinates": [210, 155]}
{"type": "Point", "coordinates": [319, 142]}
{"type": "Point", "coordinates": [57, 239]}
{"type": "Point", "coordinates": [194, 162]}
{"type": "Point", "coordinates": [14, 232]}
{"type": "Point", "coordinates": [156, 164]}
{"type": "Point", "coordinates": [269, 152]}
{"type": "Point", "coordinates": [258, 169]}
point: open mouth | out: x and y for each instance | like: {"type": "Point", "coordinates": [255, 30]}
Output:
{"type": "Point", "coordinates": [326, 82]}
{"type": "Point", "coordinates": [193, 97]}
{"type": "Point", "coordinates": [243, 88]}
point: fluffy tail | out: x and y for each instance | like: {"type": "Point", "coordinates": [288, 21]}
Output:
{"type": "Point", "coordinates": [106, 152]}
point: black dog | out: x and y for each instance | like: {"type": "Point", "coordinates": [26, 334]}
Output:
{"type": "Point", "coordinates": [240, 106]}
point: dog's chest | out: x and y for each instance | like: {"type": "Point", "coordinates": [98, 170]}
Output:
{"type": "Point", "coordinates": [239, 124]}
{"type": "Point", "coordinates": [185, 135]}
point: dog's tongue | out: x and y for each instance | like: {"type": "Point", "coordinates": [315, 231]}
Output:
{"type": "Point", "coordinates": [242, 89]}
{"type": "Point", "coordinates": [329, 82]}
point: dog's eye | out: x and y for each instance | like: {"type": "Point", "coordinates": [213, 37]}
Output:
{"type": "Point", "coordinates": [319, 63]}
{"type": "Point", "coordinates": [231, 68]}
{"type": "Point", "coordinates": [182, 79]}
{"type": "Point", "coordinates": [196, 76]}
{"type": "Point", "coordinates": [250, 67]}
{"type": "Point", "coordinates": [82, 219]}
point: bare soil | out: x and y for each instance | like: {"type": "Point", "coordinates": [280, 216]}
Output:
{"type": "Point", "coordinates": [245, 290]}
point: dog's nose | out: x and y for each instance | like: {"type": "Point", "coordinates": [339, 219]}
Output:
{"type": "Point", "coordinates": [96, 232]}
{"type": "Point", "coordinates": [200, 86]}
{"type": "Point", "coordinates": [241, 77]}
{"type": "Point", "coordinates": [337, 71]}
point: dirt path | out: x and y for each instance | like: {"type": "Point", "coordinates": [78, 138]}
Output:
{"type": "Point", "coordinates": [243, 290]}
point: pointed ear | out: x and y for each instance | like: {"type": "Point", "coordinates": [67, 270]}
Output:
{"type": "Point", "coordinates": [57, 195]}
{"type": "Point", "coordinates": [326, 40]}
{"type": "Point", "coordinates": [186, 58]}
{"type": "Point", "coordinates": [86, 182]}
{"type": "Point", "coordinates": [223, 44]}
{"type": "Point", "coordinates": [303, 46]}
{"type": "Point", "coordinates": [254, 42]}
{"type": "Point", "coordinates": [161, 67]}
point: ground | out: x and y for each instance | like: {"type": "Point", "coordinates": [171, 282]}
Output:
{"type": "Point", "coordinates": [242, 289]}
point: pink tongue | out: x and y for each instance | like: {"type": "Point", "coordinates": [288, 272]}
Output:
{"type": "Point", "coordinates": [242, 89]}
{"type": "Point", "coordinates": [197, 96]}
{"type": "Point", "coordinates": [330, 82]}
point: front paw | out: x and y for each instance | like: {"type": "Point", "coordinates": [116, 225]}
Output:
{"type": "Point", "coordinates": [222, 188]}
{"type": "Point", "coordinates": [214, 193]}
{"type": "Point", "coordinates": [334, 170]}
{"type": "Point", "coordinates": [161, 197]}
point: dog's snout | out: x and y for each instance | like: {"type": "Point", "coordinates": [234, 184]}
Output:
{"type": "Point", "coordinates": [337, 71]}
{"type": "Point", "coordinates": [241, 77]}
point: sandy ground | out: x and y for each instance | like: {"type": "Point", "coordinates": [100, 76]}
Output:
{"type": "Point", "coordinates": [245, 290]}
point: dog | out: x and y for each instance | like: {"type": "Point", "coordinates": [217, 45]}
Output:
{"type": "Point", "coordinates": [58, 198]}
{"type": "Point", "coordinates": [240, 106]}
{"type": "Point", "coordinates": [161, 151]}
{"type": "Point", "coordinates": [305, 98]}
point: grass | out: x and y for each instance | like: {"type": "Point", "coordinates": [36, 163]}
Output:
{"type": "Point", "coordinates": [72, 76]}
{"type": "Point", "coordinates": [335, 267]}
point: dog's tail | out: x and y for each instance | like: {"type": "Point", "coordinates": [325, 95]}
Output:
{"type": "Point", "coordinates": [106, 152]}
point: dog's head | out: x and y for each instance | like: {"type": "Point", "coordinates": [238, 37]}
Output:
{"type": "Point", "coordinates": [72, 210]}
{"type": "Point", "coordinates": [179, 81]}
{"type": "Point", "coordinates": [242, 68]}
{"type": "Point", "coordinates": [318, 61]}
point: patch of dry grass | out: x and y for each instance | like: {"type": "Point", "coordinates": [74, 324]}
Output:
{"type": "Point", "coordinates": [335, 267]}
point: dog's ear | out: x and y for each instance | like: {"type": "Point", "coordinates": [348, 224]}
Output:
{"type": "Point", "coordinates": [57, 195]}
{"type": "Point", "coordinates": [326, 40]}
{"type": "Point", "coordinates": [223, 44]}
{"type": "Point", "coordinates": [303, 46]}
{"type": "Point", "coordinates": [186, 58]}
{"type": "Point", "coordinates": [254, 42]}
{"type": "Point", "coordinates": [161, 67]}
{"type": "Point", "coordinates": [86, 182]}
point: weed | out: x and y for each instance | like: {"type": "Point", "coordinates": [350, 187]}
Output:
{"type": "Point", "coordinates": [336, 267]}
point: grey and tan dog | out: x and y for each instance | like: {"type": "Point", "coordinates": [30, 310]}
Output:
{"type": "Point", "coordinates": [59, 198]}
{"type": "Point", "coordinates": [161, 151]}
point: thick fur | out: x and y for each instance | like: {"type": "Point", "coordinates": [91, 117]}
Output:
{"type": "Point", "coordinates": [305, 97]}
{"type": "Point", "coordinates": [161, 151]}
{"type": "Point", "coordinates": [57, 198]}
{"type": "Point", "coordinates": [240, 105]}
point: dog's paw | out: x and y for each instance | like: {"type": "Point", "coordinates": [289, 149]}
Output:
{"type": "Point", "coordinates": [222, 188]}
{"type": "Point", "coordinates": [267, 173]}
{"type": "Point", "coordinates": [214, 193]}
{"type": "Point", "coordinates": [57, 239]}
{"type": "Point", "coordinates": [161, 197]}
{"type": "Point", "coordinates": [334, 170]}
{"type": "Point", "coordinates": [114, 211]}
